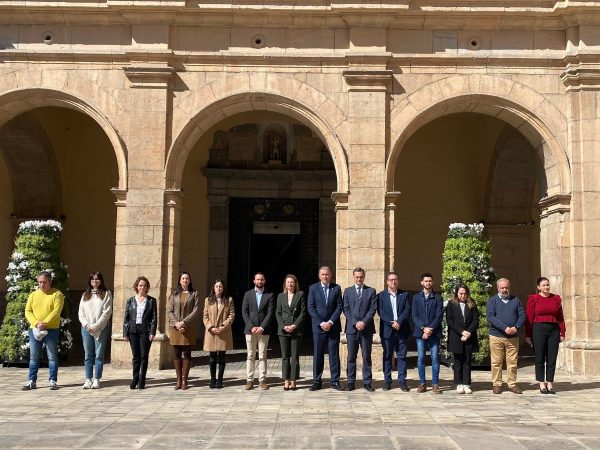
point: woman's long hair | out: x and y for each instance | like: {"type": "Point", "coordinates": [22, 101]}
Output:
{"type": "Point", "coordinates": [212, 297]}
{"type": "Point", "coordinates": [100, 292]}
{"type": "Point", "coordinates": [470, 302]}
{"type": "Point", "coordinates": [179, 289]}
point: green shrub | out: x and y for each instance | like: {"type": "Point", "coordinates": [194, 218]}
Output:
{"type": "Point", "coordinates": [467, 260]}
{"type": "Point", "coordinates": [37, 248]}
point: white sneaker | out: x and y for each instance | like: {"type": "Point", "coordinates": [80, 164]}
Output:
{"type": "Point", "coordinates": [96, 384]}
{"type": "Point", "coordinates": [467, 389]}
{"type": "Point", "coordinates": [29, 386]}
{"type": "Point", "coordinates": [87, 384]}
{"type": "Point", "coordinates": [53, 385]}
{"type": "Point", "coordinates": [460, 389]}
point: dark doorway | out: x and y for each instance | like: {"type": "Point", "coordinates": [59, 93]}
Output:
{"type": "Point", "coordinates": [276, 237]}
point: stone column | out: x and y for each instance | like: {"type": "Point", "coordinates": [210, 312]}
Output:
{"type": "Point", "coordinates": [581, 286]}
{"type": "Point", "coordinates": [391, 198]}
{"type": "Point", "coordinates": [148, 216]}
{"type": "Point", "coordinates": [362, 227]}
{"type": "Point", "coordinates": [218, 239]}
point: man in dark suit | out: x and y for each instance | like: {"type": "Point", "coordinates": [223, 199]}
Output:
{"type": "Point", "coordinates": [394, 310]}
{"type": "Point", "coordinates": [325, 308]}
{"type": "Point", "coordinates": [360, 304]}
{"type": "Point", "coordinates": [257, 310]}
{"type": "Point", "coordinates": [427, 314]}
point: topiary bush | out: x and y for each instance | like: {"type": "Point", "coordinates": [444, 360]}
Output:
{"type": "Point", "coordinates": [467, 260]}
{"type": "Point", "coordinates": [37, 248]}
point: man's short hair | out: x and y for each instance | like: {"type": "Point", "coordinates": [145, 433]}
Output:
{"type": "Point", "coordinates": [426, 275]}
{"type": "Point", "coordinates": [358, 269]}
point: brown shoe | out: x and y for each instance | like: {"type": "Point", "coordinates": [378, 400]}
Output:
{"type": "Point", "coordinates": [263, 385]}
{"type": "Point", "coordinates": [497, 389]}
{"type": "Point", "coordinates": [249, 386]}
{"type": "Point", "coordinates": [422, 388]}
{"type": "Point", "coordinates": [515, 390]}
{"type": "Point", "coordinates": [436, 389]}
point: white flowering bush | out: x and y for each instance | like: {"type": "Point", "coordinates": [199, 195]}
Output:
{"type": "Point", "coordinates": [467, 260]}
{"type": "Point", "coordinates": [37, 248]}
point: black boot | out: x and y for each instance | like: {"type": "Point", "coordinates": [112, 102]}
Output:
{"type": "Point", "coordinates": [220, 378]}
{"type": "Point", "coordinates": [213, 373]}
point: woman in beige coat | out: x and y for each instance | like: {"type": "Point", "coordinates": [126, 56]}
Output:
{"type": "Point", "coordinates": [182, 314]}
{"type": "Point", "coordinates": [218, 317]}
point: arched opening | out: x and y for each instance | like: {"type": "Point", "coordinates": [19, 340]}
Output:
{"type": "Point", "coordinates": [469, 167]}
{"type": "Point", "coordinates": [257, 188]}
{"type": "Point", "coordinates": [59, 163]}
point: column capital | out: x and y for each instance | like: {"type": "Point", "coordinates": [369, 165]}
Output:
{"type": "Point", "coordinates": [369, 80]}
{"type": "Point", "coordinates": [555, 204]}
{"type": "Point", "coordinates": [581, 75]}
{"type": "Point", "coordinates": [121, 196]}
{"type": "Point", "coordinates": [340, 199]}
{"type": "Point", "coordinates": [149, 76]}
{"type": "Point", "coordinates": [391, 198]}
{"type": "Point", "coordinates": [174, 198]}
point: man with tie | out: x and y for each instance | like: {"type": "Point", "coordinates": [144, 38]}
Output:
{"type": "Point", "coordinates": [427, 314]}
{"type": "Point", "coordinates": [257, 310]}
{"type": "Point", "coordinates": [325, 308]}
{"type": "Point", "coordinates": [360, 304]}
{"type": "Point", "coordinates": [394, 310]}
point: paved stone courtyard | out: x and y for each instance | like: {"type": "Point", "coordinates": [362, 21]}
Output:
{"type": "Point", "coordinates": [158, 417]}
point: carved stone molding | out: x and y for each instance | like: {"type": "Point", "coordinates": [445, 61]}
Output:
{"type": "Point", "coordinates": [149, 77]}
{"type": "Point", "coordinates": [581, 76]}
{"type": "Point", "coordinates": [121, 196]}
{"type": "Point", "coordinates": [340, 199]}
{"type": "Point", "coordinates": [555, 204]}
{"type": "Point", "coordinates": [174, 198]}
{"type": "Point", "coordinates": [582, 344]}
{"type": "Point", "coordinates": [391, 198]}
{"type": "Point", "coordinates": [369, 80]}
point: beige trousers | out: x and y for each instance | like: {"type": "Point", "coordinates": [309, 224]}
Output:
{"type": "Point", "coordinates": [502, 348]}
{"type": "Point", "coordinates": [252, 342]}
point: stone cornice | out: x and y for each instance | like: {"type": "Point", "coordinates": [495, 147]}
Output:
{"type": "Point", "coordinates": [121, 196]}
{"type": "Point", "coordinates": [579, 76]}
{"type": "Point", "coordinates": [149, 77]}
{"type": "Point", "coordinates": [369, 80]}
{"type": "Point", "coordinates": [555, 204]}
{"type": "Point", "coordinates": [340, 199]}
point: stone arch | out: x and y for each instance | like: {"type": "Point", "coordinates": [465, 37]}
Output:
{"type": "Point", "coordinates": [16, 102]}
{"type": "Point", "coordinates": [307, 108]}
{"type": "Point", "coordinates": [534, 116]}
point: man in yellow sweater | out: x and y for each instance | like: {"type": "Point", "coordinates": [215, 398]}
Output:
{"type": "Point", "coordinates": [42, 311]}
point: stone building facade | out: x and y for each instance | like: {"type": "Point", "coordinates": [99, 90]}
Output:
{"type": "Point", "coordinates": [228, 137]}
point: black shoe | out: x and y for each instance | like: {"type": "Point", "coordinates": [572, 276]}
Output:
{"type": "Point", "coordinates": [219, 384]}
{"type": "Point", "coordinates": [336, 387]}
{"type": "Point", "coordinates": [387, 386]}
{"type": "Point", "coordinates": [315, 387]}
{"type": "Point", "coordinates": [543, 391]}
{"type": "Point", "coordinates": [369, 387]}
{"type": "Point", "coordinates": [551, 391]}
{"type": "Point", "coordinates": [404, 387]}
{"type": "Point", "coordinates": [350, 387]}
{"type": "Point", "coordinates": [213, 383]}
{"type": "Point", "coordinates": [133, 385]}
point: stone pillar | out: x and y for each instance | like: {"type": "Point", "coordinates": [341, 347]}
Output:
{"type": "Point", "coordinates": [581, 287]}
{"type": "Point", "coordinates": [362, 227]}
{"type": "Point", "coordinates": [218, 238]}
{"type": "Point", "coordinates": [390, 215]}
{"type": "Point", "coordinates": [148, 215]}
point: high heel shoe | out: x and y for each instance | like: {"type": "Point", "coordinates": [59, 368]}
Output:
{"type": "Point", "coordinates": [293, 386]}
{"type": "Point", "coordinates": [543, 391]}
{"type": "Point", "coordinates": [286, 386]}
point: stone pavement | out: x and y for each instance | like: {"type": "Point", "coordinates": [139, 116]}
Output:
{"type": "Point", "coordinates": [159, 417]}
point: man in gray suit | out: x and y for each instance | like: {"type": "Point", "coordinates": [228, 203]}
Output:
{"type": "Point", "coordinates": [257, 310]}
{"type": "Point", "coordinates": [360, 304]}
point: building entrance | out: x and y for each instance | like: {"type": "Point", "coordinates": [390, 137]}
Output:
{"type": "Point", "coordinates": [273, 236]}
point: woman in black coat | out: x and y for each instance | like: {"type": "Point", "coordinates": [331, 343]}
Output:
{"type": "Point", "coordinates": [462, 318]}
{"type": "Point", "coordinates": [139, 328]}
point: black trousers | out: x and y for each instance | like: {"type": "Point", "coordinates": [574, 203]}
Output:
{"type": "Point", "coordinates": [365, 341]}
{"type": "Point", "coordinates": [140, 349]}
{"type": "Point", "coordinates": [462, 367]}
{"type": "Point", "coordinates": [545, 337]}
{"type": "Point", "coordinates": [290, 356]}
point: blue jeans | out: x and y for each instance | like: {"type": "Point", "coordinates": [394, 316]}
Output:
{"type": "Point", "coordinates": [94, 352]}
{"type": "Point", "coordinates": [35, 354]}
{"type": "Point", "coordinates": [433, 343]}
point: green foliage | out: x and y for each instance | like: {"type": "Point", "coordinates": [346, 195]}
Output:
{"type": "Point", "coordinates": [467, 260]}
{"type": "Point", "coordinates": [37, 248]}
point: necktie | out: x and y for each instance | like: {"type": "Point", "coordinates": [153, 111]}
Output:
{"type": "Point", "coordinates": [358, 291]}
{"type": "Point", "coordinates": [325, 294]}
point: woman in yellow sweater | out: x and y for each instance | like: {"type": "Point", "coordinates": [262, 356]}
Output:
{"type": "Point", "coordinates": [42, 311]}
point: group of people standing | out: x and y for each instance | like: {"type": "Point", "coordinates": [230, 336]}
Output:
{"type": "Point", "coordinates": [543, 322]}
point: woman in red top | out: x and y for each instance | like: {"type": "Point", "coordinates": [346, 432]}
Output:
{"type": "Point", "coordinates": [545, 329]}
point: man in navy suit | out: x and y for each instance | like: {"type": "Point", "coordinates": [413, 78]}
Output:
{"type": "Point", "coordinates": [360, 304]}
{"type": "Point", "coordinates": [325, 308]}
{"type": "Point", "coordinates": [257, 310]}
{"type": "Point", "coordinates": [427, 314]}
{"type": "Point", "coordinates": [394, 310]}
